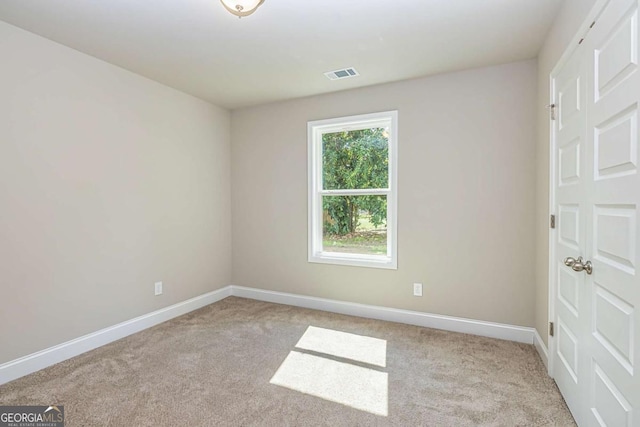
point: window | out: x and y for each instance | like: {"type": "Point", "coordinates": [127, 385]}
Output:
{"type": "Point", "coordinates": [352, 190]}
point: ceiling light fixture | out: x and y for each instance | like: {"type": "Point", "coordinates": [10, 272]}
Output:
{"type": "Point", "coordinates": [241, 8]}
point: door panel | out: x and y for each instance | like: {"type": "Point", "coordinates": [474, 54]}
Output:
{"type": "Point", "coordinates": [613, 326]}
{"type": "Point", "coordinates": [568, 288]}
{"type": "Point", "coordinates": [570, 163]}
{"type": "Point", "coordinates": [569, 225]}
{"type": "Point", "coordinates": [616, 56]}
{"type": "Point", "coordinates": [613, 236]}
{"type": "Point", "coordinates": [610, 407]}
{"type": "Point", "coordinates": [570, 137]}
{"type": "Point", "coordinates": [613, 197]}
{"type": "Point", "coordinates": [569, 101]}
{"type": "Point", "coordinates": [567, 344]}
{"type": "Point", "coordinates": [616, 145]}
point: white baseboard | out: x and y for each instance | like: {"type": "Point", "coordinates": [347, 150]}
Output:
{"type": "Point", "coordinates": [456, 324]}
{"type": "Point", "coordinates": [542, 349]}
{"type": "Point", "coordinates": [34, 362]}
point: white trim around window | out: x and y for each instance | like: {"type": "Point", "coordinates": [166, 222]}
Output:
{"type": "Point", "coordinates": [315, 130]}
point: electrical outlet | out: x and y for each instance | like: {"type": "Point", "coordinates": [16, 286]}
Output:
{"type": "Point", "coordinates": [158, 288]}
{"type": "Point", "coordinates": [417, 289]}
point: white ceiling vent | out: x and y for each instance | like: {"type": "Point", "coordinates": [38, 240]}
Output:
{"type": "Point", "coordinates": [342, 74]}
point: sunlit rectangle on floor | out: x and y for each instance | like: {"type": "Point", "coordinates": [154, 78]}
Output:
{"type": "Point", "coordinates": [360, 388]}
{"type": "Point", "coordinates": [342, 344]}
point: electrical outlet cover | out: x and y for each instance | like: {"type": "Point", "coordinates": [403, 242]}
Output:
{"type": "Point", "coordinates": [417, 289]}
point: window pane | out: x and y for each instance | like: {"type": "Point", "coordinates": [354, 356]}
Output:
{"type": "Point", "coordinates": [355, 159]}
{"type": "Point", "coordinates": [355, 224]}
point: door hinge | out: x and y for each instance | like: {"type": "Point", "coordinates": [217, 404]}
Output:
{"type": "Point", "coordinates": [552, 111]}
{"type": "Point", "coordinates": [550, 329]}
{"type": "Point", "coordinates": [585, 34]}
{"type": "Point", "coordinates": [552, 221]}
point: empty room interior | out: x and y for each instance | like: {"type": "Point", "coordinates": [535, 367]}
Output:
{"type": "Point", "coordinates": [340, 213]}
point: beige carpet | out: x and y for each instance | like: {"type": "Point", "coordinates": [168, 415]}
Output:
{"type": "Point", "coordinates": [215, 366]}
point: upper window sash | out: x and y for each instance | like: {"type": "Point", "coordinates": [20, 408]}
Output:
{"type": "Point", "coordinates": [373, 122]}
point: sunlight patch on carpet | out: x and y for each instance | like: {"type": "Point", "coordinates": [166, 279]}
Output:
{"type": "Point", "coordinates": [360, 388]}
{"type": "Point", "coordinates": [372, 351]}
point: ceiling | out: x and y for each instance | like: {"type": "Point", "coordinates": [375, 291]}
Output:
{"type": "Point", "coordinates": [283, 49]}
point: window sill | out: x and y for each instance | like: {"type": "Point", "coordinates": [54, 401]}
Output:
{"type": "Point", "coordinates": [355, 260]}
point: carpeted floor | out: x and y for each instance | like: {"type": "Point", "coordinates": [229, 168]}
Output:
{"type": "Point", "coordinates": [214, 366]}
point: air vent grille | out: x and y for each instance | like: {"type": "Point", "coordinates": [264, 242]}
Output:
{"type": "Point", "coordinates": [344, 73]}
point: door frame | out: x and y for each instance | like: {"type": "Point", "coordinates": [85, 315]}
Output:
{"type": "Point", "coordinates": [584, 28]}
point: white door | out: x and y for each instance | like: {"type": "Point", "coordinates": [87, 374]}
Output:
{"type": "Point", "coordinates": [596, 353]}
{"type": "Point", "coordinates": [570, 239]}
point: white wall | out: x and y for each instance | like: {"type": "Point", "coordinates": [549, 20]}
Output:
{"type": "Point", "coordinates": [564, 28]}
{"type": "Point", "coordinates": [108, 183]}
{"type": "Point", "coordinates": [466, 195]}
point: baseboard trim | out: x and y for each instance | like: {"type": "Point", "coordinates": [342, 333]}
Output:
{"type": "Point", "coordinates": [542, 348]}
{"type": "Point", "coordinates": [34, 362]}
{"type": "Point", "coordinates": [448, 323]}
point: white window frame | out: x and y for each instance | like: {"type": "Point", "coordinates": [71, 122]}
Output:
{"type": "Point", "coordinates": [315, 130]}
